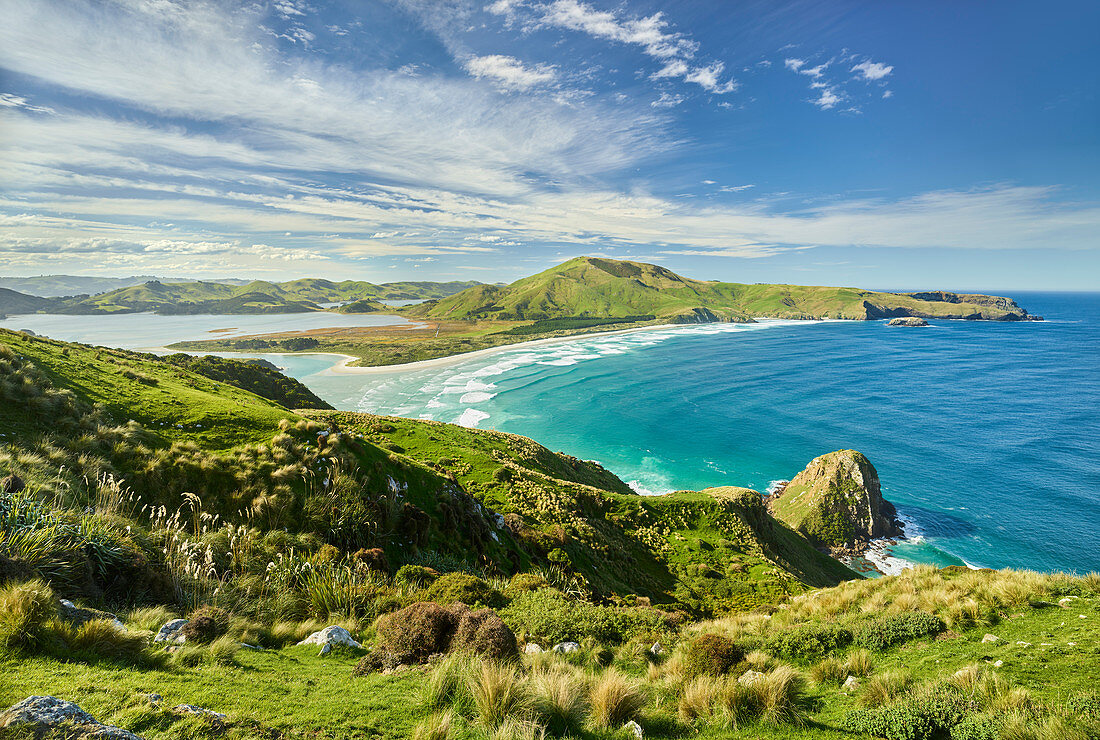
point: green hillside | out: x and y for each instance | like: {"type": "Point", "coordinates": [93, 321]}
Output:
{"type": "Point", "coordinates": [597, 288]}
{"type": "Point", "coordinates": [13, 302]}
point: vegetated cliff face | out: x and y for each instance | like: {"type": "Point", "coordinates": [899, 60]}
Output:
{"type": "Point", "coordinates": [941, 304]}
{"type": "Point", "coordinates": [837, 502]}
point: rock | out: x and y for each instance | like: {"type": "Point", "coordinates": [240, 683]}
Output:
{"type": "Point", "coordinates": [325, 649]}
{"type": "Point", "coordinates": [1065, 601]}
{"type": "Point", "coordinates": [1021, 643]}
{"type": "Point", "coordinates": [656, 649]}
{"type": "Point", "coordinates": [154, 699]}
{"type": "Point", "coordinates": [837, 502]}
{"type": "Point", "coordinates": [634, 729]}
{"type": "Point", "coordinates": [748, 678]}
{"type": "Point", "coordinates": [998, 663]}
{"type": "Point", "coordinates": [851, 684]}
{"type": "Point", "coordinates": [990, 638]}
{"type": "Point", "coordinates": [330, 636]}
{"type": "Point", "coordinates": [70, 612]}
{"type": "Point", "coordinates": [566, 647]}
{"type": "Point", "coordinates": [12, 484]}
{"type": "Point", "coordinates": [171, 631]}
{"type": "Point", "coordinates": [191, 709]}
{"type": "Point", "coordinates": [533, 648]}
{"type": "Point", "coordinates": [49, 712]}
{"type": "Point", "coordinates": [907, 321]}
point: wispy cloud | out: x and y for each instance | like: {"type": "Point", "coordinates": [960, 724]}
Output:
{"type": "Point", "coordinates": [830, 85]}
{"type": "Point", "coordinates": [510, 72]}
{"type": "Point", "coordinates": [869, 70]}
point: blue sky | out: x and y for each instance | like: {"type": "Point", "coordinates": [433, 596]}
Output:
{"type": "Point", "coordinates": [890, 145]}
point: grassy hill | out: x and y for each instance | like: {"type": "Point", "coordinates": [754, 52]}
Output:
{"type": "Point", "coordinates": [599, 288]}
{"type": "Point", "coordinates": [12, 302]}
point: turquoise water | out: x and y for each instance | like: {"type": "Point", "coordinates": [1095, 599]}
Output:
{"type": "Point", "coordinates": [985, 435]}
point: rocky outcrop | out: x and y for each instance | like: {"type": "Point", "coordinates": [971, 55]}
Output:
{"type": "Point", "coordinates": [172, 631]}
{"type": "Point", "coordinates": [48, 713]}
{"type": "Point", "coordinates": [837, 502]}
{"type": "Point", "coordinates": [77, 615]}
{"type": "Point", "coordinates": [333, 636]}
{"type": "Point", "coordinates": [908, 321]}
{"type": "Point", "coordinates": [940, 304]}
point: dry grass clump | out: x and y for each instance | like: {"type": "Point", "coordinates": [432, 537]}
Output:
{"type": "Point", "coordinates": [436, 727]}
{"type": "Point", "coordinates": [518, 729]}
{"type": "Point", "coordinates": [776, 698]}
{"type": "Point", "coordinates": [559, 698]}
{"type": "Point", "coordinates": [700, 698]}
{"type": "Point", "coordinates": [497, 693]}
{"type": "Point", "coordinates": [886, 687]}
{"type": "Point", "coordinates": [26, 610]}
{"type": "Point", "coordinates": [615, 699]}
{"type": "Point", "coordinates": [830, 670]}
{"type": "Point", "coordinates": [100, 638]}
{"type": "Point", "coordinates": [149, 618]}
{"type": "Point", "coordinates": [779, 695]}
{"type": "Point", "coordinates": [859, 663]}
{"type": "Point", "coordinates": [447, 684]}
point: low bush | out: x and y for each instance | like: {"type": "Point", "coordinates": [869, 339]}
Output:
{"type": "Point", "coordinates": [549, 617]}
{"type": "Point", "coordinates": [464, 588]}
{"type": "Point", "coordinates": [411, 634]}
{"type": "Point", "coordinates": [809, 642]}
{"type": "Point", "coordinates": [416, 576]}
{"type": "Point", "coordinates": [711, 655]}
{"type": "Point", "coordinates": [885, 632]}
{"type": "Point", "coordinates": [206, 624]}
{"type": "Point", "coordinates": [901, 722]}
{"type": "Point", "coordinates": [977, 727]}
{"type": "Point", "coordinates": [522, 583]}
{"type": "Point", "coordinates": [484, 633]}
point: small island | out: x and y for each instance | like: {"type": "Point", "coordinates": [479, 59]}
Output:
{"type": "Point", "coordinates": [907, 321]}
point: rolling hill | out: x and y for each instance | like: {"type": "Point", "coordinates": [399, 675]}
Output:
{"type": "Point", "coordinates": [590, 287]}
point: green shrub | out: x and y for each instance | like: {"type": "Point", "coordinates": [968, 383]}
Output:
{"type": "Point", "coordinates": [809, 642]}
{"type": "Point", "coordinates": [26, 610]}
{"type": "Point", "coordinates": [522, 583]}
{"type": "Point", "coordinates": [548, 616]}
{"type": "Point", "coordinates": [711, 655]}
{"type": "Point", "coordinates": [416, 576]}
{"type": "Point", "coordinates": [900, 722]}
{"type": "Point", "coordinates": [206, 624]}
{"type": "Point", "coordinates": [978, 727]}
{"type": "Point", "coordinates": [884, 632]}
{"type": "Point", "coordinates": [1086, 706]}
{"type": "Point", "coordinates": [464, 588]}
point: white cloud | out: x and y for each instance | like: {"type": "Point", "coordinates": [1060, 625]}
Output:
{"type": "Point", "coordinates": [735, 188]}
{"type": "Point", "coordinates": [510, 72]}
{"type": "Point", "coordinates": [794, 64]}
{"type": "Point", "coordinates": [667, 100]}
{"type": "Point", "coordinates": [887, 94]}
{"type": "Point", "coordinates": [869, 70]}
{"type": "Point", "coordinates": [7, 100]}
{"type": "Point", "coordinates": [707, 78]}
{"type": "Point", "coordinates": [675, 68]}
{"type": "Point", "coordinates": [827, 100]}
{"type": "Point", "coordinates": [647, 32]}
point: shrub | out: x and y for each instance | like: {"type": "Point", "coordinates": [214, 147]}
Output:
{"type": "Point", "coordinates": [978, 727]}
{"type": "Point", "coordinates": [711, 655]}
{"type": "Point", "coordinates": [373, 559]}
{"type": "Point", "coordinates": [416, 576]}
{"type": "Point", "coordinates": [884, 632]}
{"type": "Point", "coordinates": [464, 588]}
{"type": "Point", "coordinates": [26, 610]}
{"type": "Point", "coordinates": [559, 699]}
{"type": "Point", "coordinates": [484, 633]}
{"type": "Point", "coordinates": [807, 642]}
{"type": "Point", "coordinates": [549, 617]}
{"type": "Point", "coordinates": [417, 631]}
{"type": "Point", "coordinates": [524, 583]}
{"type": "Point", "coordinates": [206, 624]}
{"type": "Point", "coordinates": [900, 722]}
{"type": "Point", "coordinates": [615, 700]}
{"type": "Point", "coordinates": [497, 693]}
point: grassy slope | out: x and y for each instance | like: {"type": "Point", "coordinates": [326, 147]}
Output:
{"type": "Point", "coordinates": [710, 550]}
{"type": "Point", "coordinates": [587, 286]}
{"type": "Point", "coordinates": [13, 302]}
{"type": "Point", "coordinates": [169, 401]}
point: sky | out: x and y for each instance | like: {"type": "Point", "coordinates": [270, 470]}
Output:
{"type": "Point", "coordinates": [912, 144]}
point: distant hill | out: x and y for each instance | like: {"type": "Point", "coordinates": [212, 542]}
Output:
{"type": "Point", "coordinates": [230, 297]}
{"type": "Point", "coordinates": [54, 286]}
{"type": "Point", "coordinates": [589, 287]}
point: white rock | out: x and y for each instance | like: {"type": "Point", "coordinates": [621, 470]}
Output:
{"type": "Point", "coordinates": [998, 664]}
{"type": "Point", "coordinates": [635, 729]}
{"type": "Point", "coordinates": [748, 678]}
{"type": "Point", "coordinates": [566, 647]}
{"type": "Point", "coordinates": [330, 636]}
{"type": "Point", "coordinates": [1021, 643]}
{"type": "Point", "coordinates": [851, 684]}
{"type": "Point", "coordinates": [656, 649]}
{"type": "Point", "coordinates": [533, 648]}
{"type": "Point", "coordinates": [49, 711]}
{"type": "Point", "coordinates": [170, 631]}
{"type": "Point", "coordinates": [990, 638]}
{"type": "Point", "coordinates": [191, 709]}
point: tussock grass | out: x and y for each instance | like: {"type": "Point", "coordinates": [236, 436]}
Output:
{"type": "Point", "coordinates": [779, 695]}
{"type": "Point", "coordinates": [884, 688]}
{"type": "Point", "coordinates": [26, 610]}
{"type": "Point", "coordinates": [859, 663]}
{"type": "Point", "coordinates": [497, 693]}
{"type": "Point", "coordinates": [830, 670]}
{"type": "Point", "coordinates": [615, 699]}
{"type": "Point", "coordinates": [438, 726]}
{"type": "Point", "coordinates": [447, 684]}
{"type": "Point", "coordinates": [700, 699]}
{"type": "Point", "coordinates": [560, 699]}
{"type": "Point", "coordinates": [149, 618]}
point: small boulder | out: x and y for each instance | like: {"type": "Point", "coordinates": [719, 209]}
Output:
{"type": "Point", "coordinates": [998, 663]}
{"type": "Point", "coordinates": [331, 636]}
{"type": "Point", "coordinates": [171, 631]}
{"type": "Point", "coordinates": [566, 647]}
{"type": "Point", "coordinates": [12, 484]}
{"type": "Point", "coordinates": [533, 648]}
{"type": "Point", "coordinates": [851, 685]}
{"type": "Point", "coordinates": [990, 638]}
{"type": "Point", "coordinates": [750, 677]}
{"type": "Point", "coordinates": [50, 713]}
{"type": "Point", "coordinates": [656, 649]}
{"type": "Point", "coordinates": [634, 729]}
{"type": "Point", "coordinates": [70, 612]}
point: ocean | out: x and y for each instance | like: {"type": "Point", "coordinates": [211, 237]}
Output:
{"type": "Point", "coordinates": [986, 436]}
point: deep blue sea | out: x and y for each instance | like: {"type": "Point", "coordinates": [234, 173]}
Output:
{"type": "Point", "coordinates": [986, 435]}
